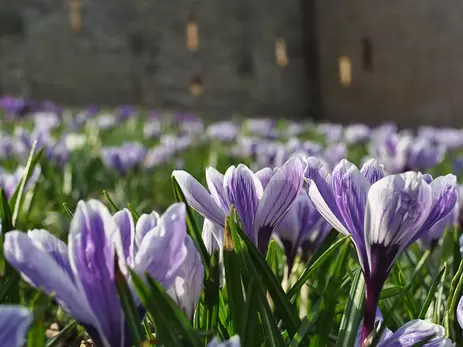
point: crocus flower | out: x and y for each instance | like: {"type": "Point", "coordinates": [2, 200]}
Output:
{"type": "Point", "coordinates": [223, 131]}
{"type": "Point", "coordinates": [123, 158]}
{"type": "Point", "coordinates": [82, 274]}
{"type": "Point", "coordinates": [383, 214]}
{"type": "Point", "coordinates": [261, 199]}
{"type": "Point", "coordinates": [233, 342]}
{"type": "Point", "coordinates": [14, 324]}
{"type": "Point", "coordinates": [356, 133]}
{"type": "Point", "coordinates": [296, 229]}
{"type": "Point", "coordinates": [413, 333]}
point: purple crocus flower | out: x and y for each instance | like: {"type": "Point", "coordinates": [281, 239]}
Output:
{"type": "Point", "coordinates": [123, 158]}
{"type": "Point", "coordinates": [261, 199]}
{"type": "Point", "coordinates": [302, 227]}
{"type": "Point", "coordinates": [356, 133]}
{"type": "Point", "coordinates": [384, 215]}
{"type": "Point", "coordinates": [413, 333]}
{"type": "Point", "coordinates": [14, 324]}
{"type": "Point", "coordinates": [82, 274]}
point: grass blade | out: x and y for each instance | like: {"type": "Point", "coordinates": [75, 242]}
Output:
{"type": "Point", "coordinates": [353, 312]}
{"type": "Point", "coordinates": [432, 291]}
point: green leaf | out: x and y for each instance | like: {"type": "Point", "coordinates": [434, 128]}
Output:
{"type": "Point", "coordinates": [454, 297]}
{"type": "Point", "coordinates": [332, 290]}
{"type": "Point", "coordinates": [68, 210]}
{"type": "Point", "coordinates": [193, 230]}
{"type": "Point", "coordinates": [63, 333]}
{"type": "Point", "coordinates": [313, 266]}
{"type": "Point", "coordinates": [5, 213]}
{"type": "Point", "coordinates": [284, 309]}
{"type": "Point", "coordinates": [169, 319]}
{"type": "Point", "coordinates": [129, 307]}
{"type": "Point", "coordinates": [211, 295]}
{"type": "Point", "coordinates": [232, 264]}
{"type": "Point", "coordinates": [134, 213]}
{"type": "Point", "coordinates": [113, 206]}
{"type": "Point", "coordinates": [432, 292]}
{"type": "Point", "coordinates": [353, 312]}
{"type": "Point", "coordinates": [305, 329]}
{"type": "Point", "coordinates": [17, 198]}
{"type": "Point", "coordinates": [36, 334]}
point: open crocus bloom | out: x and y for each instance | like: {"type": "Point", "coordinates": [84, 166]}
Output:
{"type": "Point", "coordinates": [14, 324]}
{"type": "Point", "coordinates": [383, 214]}
{"type": "Point", "coordinates": [82, 273]}
{"type": "Point", "coordinates": [261, 199]}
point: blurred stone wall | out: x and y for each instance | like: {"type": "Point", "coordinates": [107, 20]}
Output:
{"type": "Point", "coordinates": [415, 75]}
{"type": "Point", "coordinates": [134, 51]}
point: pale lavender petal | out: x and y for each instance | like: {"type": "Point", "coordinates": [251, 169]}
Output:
{"type": "Point", "coordinates": [444, 198]}
{"type": "Point", "coordinates": [56, 248]}
{"type": "Point", "coordinates": [163, 251]}
{"type": "Point", "coordinates": [187, 287]}
{"type": "Point", "coordinates": [14, 324]}
{"type": "Point", "coordinates": [215, 184]}
{"type": "Point", "coordinates": [373, 170]}
{"type": "Point", "coordinates": [415, 333]}
{"type": "Point", "coordinates": [265, 175]}
{"type": "Point", "coordinates": [321, 193]}
{"type": "Point", "coordinates": [233, 342]}
{"type": "Point", "coordinates": [145, 223]}
{"type": "Point", "coordinates": [198, 198]}
{"type": "Point", "coordinates": [40, 270]}
{"type": "Point", "coordinates": [92, 256]}
{"type": "Point", "coordinates": [350, 189]}
{"type": "Point", "coordinates": [279, 196]}
{"type": "Point", "coordinates": [126, 226]}
{"type": "Point", "coordinates": [212, 236]}
{"type": "Point", "coordinates": [244, 191]}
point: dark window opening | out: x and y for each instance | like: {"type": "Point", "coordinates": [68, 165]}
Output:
{"type": "Point", "coordinates": [136, 44]}
{"type": "Point", "coordinates": [11, 24]}
{"type": "Point", "coordinates": [196, 86]}
{"type": "Point", "coordinates": [367, 54]}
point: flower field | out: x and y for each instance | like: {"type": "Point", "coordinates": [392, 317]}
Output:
{"type": "Point", "coordinates": [128, 227]}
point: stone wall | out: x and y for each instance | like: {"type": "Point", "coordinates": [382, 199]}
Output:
{"type": "Point", "coordinates": [416, 75]}
{"type": "Point", "coordinates": [134, 51]}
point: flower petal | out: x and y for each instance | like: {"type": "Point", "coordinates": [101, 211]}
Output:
{"type": "Point", "coordinates": [39, 269]}
{"type": "Point", "coordinates": [460, 310]}
{"type": "Point", "coordinates": [187, 287]}
{"type": "Point", "coordinates": [279, 196]}
{"type": "Point", "coordinates": [373, 170]}
{"type": "Point", "coordinates": [126, 226]}
{"type": "Point", "coordinates": [92, 256]}
{"type": "Point", "coordinates": [233, 342]}
{"type": "Point", "coordinates": [350, 189]}
{"type": "Point", "coordinates": [444, 198]}
{"type": "Point", "coordinates": [265, 175]}
{"type": "Point", "coordinates": [145, 223]}
{"type": "Point", "coordinates": [416, 331]}
{"type": "Point", "coordinates": [244, 191]}
{"type": "Point", "coordinates": [215, 184]}
{"type": "Point", "coordinates": [212, 236]}
{"type": "Point", "coordinates": [56, 248]}
{"type": "Point", "coordinates": [163, 251]}
{"type": "Point", "coordinates": [321, 193]}
{"type": "Point", "coordinates": [14, 324]}
{"type": "Point", "coordinates": [198, 197]}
